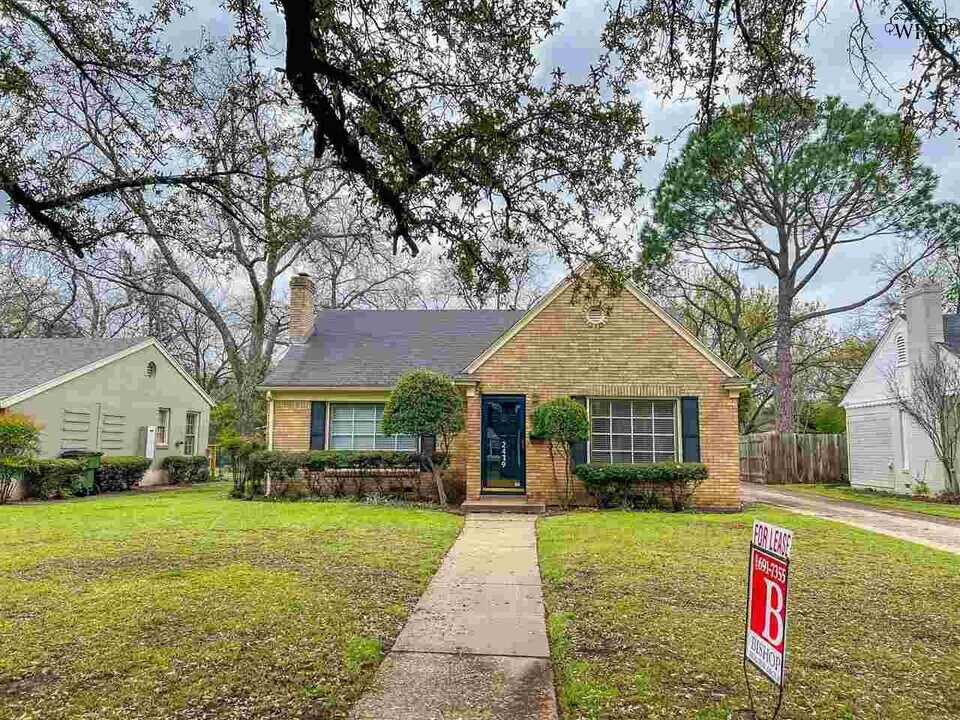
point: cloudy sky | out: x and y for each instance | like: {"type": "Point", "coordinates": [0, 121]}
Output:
{"type": "Point", "coordinates": [848, 276]}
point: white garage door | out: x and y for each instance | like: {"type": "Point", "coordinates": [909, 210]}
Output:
{"type": "Point", "coordinates": [872, 446]}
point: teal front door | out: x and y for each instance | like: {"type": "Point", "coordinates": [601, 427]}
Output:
{"type": "Point", "coordinates": [503, 433]}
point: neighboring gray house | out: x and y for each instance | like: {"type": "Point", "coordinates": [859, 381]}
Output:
{"type": "Point", "coordinates": [102, 395]}
{"type": "Point", "coordinates": [887, 450]}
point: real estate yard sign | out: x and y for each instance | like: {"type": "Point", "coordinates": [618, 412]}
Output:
{"type": "Point", "coordinates": [768, 576]}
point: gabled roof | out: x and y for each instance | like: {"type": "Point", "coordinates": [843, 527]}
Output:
{"type": "Point", "coordinates": [376, 347]}
{"type": "Point", "coordinates": [28, 362]}
{"type": "Point", "coordinates": [735, 378]}
{"type": "Point", "coordinates": [29, 366]}
{"type": "Point", "coordinates": [951, 340]}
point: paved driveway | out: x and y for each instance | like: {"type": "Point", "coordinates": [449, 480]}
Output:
{"type": "Point", "coordinates": [940, 533]}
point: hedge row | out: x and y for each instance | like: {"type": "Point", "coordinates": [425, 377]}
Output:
{"type": "Point", "coordinates": [51, 479]}
{"type": "Point", "coordinates": [653, 485]}
{"type": "Point", "coordinates": [120, 472]}
{"type": "Point", "coordinates": [60, 478]}
{"type": "Point", "coordinates": [251, 469]}
{"type": "Point", "coordinates": [184, 469]}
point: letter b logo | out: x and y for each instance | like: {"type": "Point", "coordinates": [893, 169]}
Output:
{"type": "Point", "coordinates": [773, 613]}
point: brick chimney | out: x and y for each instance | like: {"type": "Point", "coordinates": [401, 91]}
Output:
{"type": "Point", "coordinates": [924, 310]}
{"type": "Point", "coordinates": [301, 308]}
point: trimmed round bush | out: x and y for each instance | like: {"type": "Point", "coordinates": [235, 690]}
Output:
{"type": "Point", "coordinates": [52, 479]}
{"type": "Point", "coordinates": [120, 472]}
{"type": "Point", "coordinates": [185, 469]}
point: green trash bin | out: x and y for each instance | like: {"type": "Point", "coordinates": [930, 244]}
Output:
{"type": "Point", "coordinates": [91, 461]}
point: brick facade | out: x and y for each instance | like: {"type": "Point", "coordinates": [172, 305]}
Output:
{"type": "Point", "coordinates": [291, 424]}
{"type": "Point", "coordinates": [634, 354]}
{"type": "Point", "coordinates": [301, 307]}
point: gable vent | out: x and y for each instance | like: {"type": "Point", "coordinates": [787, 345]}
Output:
{"type": "Point", "coordinates": [901, 350]}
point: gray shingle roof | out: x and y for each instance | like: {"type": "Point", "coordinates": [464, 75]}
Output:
{"type": "Point", "coordinates": [376, 347]}
{"type": "Point", "coordinates": [28, 362]}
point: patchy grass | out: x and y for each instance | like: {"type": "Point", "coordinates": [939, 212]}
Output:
{"type": "Point", "coordinates": [184, 604]}
{"type": "Point", "coordinates": [646, 614]}
{"type": "Point", "coordinates": [889, 501]}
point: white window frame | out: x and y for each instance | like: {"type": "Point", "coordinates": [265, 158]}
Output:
{"type": "Point", "coordinates": [166, 427]}
{"type": "Point", "coordinates": [676, 423]}
{"type": "Point", "coordinates": [196, 431]}
{"type": "Point", "coordinates": [328, 440]}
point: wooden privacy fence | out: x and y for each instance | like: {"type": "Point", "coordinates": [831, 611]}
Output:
{"type": "Point", "coordinates": [776, 458]}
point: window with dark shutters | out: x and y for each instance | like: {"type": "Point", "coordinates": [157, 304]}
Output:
{"type": "Point", "coordinates": [690, 427]}
{"type": "Point", "coordinates": [578, 451]}
{"type": "Point", "coordinates": [318, 425]}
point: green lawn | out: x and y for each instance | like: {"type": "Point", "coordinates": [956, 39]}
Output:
{"type": "Point", "coordinates": [187, 604]}
{"type": "Point", "coordinates": [880, 499]}
{"type": "Point", "coordinates": [646, 614]}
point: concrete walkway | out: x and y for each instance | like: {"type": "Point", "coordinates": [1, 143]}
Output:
{"type": "Point", "coordinates": [939, 533]}
{"type": "Point", "coordinates": [475, 647]}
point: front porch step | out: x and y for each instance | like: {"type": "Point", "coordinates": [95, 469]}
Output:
{"type": "Point", "coordinates": [504, 505]}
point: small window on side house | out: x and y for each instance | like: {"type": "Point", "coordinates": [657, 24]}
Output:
{"type": "Point", "coordinates": [901, 350]}
{"type": "Point", "coordinates": [163, 426]}
{"type": "Point", "coordinates": [190, 434]}
{"type": "Point", "coordinates": [151, 369]}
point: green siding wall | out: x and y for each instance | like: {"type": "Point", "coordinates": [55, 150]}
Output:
{"type": "Point", "coordinates": [105, 409]}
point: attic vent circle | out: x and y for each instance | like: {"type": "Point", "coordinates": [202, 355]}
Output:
{"type": "Point", "coordinates": [901, 350]}
{"type": "Point", "coordinates": [596, 316]}
{"type": "Point", "coordinates": [151, 369]}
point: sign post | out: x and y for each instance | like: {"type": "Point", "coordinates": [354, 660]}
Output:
{"type": "Point", "coordinates": [768, 578]}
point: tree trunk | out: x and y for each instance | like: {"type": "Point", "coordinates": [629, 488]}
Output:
{"type": "Point", "coordinates": [567, 476]}
{"type": "Point", "coordinates": [437, 473]}
{"type": "Point", "coordinates": [784, 358]}
{"type": "Point", "coordinates": [950, 468]}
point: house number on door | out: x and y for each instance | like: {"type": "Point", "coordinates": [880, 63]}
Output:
{"type": "Point", "coordinates": [503, 455]}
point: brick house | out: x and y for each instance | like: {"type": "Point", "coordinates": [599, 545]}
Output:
{"type": "Point", "coordinates": [652, 390]}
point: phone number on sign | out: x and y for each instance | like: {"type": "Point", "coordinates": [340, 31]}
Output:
{"type": "Point", "coordinates": [770, 569]}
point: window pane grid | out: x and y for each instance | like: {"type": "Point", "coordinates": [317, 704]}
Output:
{"type": "Point", "coordinates": [190, 435]}
{"type": "Point", "coordinates": [632, 431]}
{"type": "Point", "coordinates": [163, 422]}
{"type": "Point", "coordinates": [359, 426]}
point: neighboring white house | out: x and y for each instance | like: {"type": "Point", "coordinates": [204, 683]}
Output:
{"type": "Point", "coordinates": [887, 450]}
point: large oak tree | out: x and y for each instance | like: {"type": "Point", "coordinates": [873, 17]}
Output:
{"type": "Point", "coordinates": [443, 112]}
{"type": "Point", "coordinates": [438, 112]}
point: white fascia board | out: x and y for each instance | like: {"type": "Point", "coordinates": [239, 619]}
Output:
{"type": "Point", "coordinates": [519, 325]}
{"type": "Point", "coordinates": [876, 348]}
{"type": "Point", "coordinates": [326, 388]}
{"type": "Point", "coordinates": [186, 376]}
